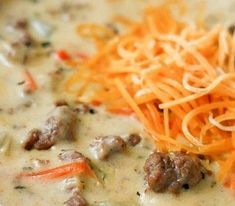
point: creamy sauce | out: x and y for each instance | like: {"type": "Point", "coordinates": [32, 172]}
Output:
{"type": "Point", "coordinates": [121, 176]}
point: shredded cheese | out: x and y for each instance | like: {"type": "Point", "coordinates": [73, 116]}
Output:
{"type": "Point", "coordinates": [174, 76]}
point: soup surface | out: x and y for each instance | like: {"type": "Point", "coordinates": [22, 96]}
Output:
{"type": "Point", "coordinates": [47, 27]}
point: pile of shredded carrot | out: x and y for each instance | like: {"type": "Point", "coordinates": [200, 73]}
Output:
{"type": "Point", "coordinates": [178, 78]}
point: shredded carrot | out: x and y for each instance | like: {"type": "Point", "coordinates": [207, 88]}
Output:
{"type": "Point", "coordinates": [61, 171]}
{"type": "Point", "coordinates": [178, 79]}
{"type": "Point", "coordinates": [62, 55]}
{"type": "Point", "coordinates": [30, 83]}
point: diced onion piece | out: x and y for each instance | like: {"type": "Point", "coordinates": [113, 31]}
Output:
{"type": "Point", "coordinates": [42, 28]}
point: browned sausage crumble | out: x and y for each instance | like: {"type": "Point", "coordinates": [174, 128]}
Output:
{"type": "Point", "coordinates": [59, 125]}
{"type": "Point", "coordinates": [104, 146]}
{"type": "Point", "coordinates": [172, 172]}
{"type": "Point", "coordinates": [133, 139]}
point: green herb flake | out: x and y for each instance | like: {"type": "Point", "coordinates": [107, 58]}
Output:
{"type": "Point", "coordinates": [46, 44]}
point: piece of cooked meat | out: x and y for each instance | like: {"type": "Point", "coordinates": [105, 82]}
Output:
{"type": "Point", "coordinates": [172, 172]}
{"type": "Point", "coordinates": [103, 146]}
{"type": "Point", "coordinates": [61, 102]}
{"type": "Point", "coordinates": [133, 139]}
{"type": "Point", "coordinates": [59, 125]}
{"type": "Point", "coordinates": [76, 200]}
{"type": "Point", "coordinates": [31, 139]}
{"type": "Point", "coordinates": [21, 27]}
{"type": "Point", "coordinates": [71, 155]}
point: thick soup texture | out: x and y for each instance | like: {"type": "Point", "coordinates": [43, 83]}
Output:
{"type": "Point", "coordinates": [42, 127]}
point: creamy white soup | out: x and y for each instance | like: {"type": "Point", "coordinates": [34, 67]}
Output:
{"type": "Point", "coordinates": [31, 33]}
